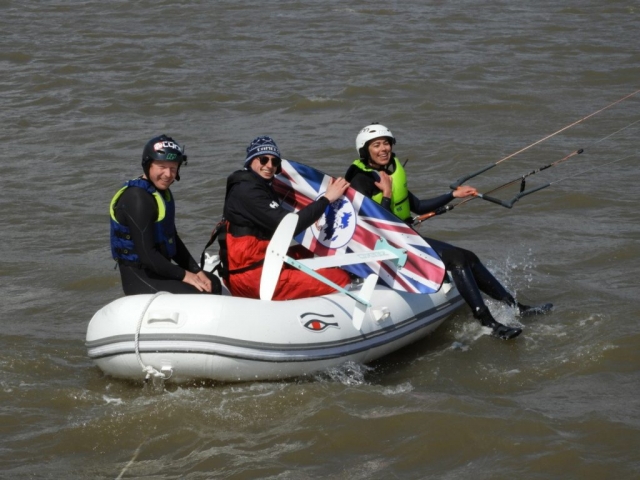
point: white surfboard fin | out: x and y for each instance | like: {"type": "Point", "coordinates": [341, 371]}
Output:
{"type": "Point", "coordinates": [366, 292]}
{"type": "Point", "coordinates": [276, 254]}
{"type": "Point", "coordinates": [383, 251]}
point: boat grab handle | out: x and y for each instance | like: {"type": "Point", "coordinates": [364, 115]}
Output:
{"type": "Point", "coordinates": [159, 316]}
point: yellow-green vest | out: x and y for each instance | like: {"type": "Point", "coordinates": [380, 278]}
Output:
{"type": "Point", "coordinates": [399, 191]}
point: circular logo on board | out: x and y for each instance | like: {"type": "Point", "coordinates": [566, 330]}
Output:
{"type": "Point", "coordinates": [337, 225]}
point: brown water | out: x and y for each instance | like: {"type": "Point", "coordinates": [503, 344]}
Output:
{"type": "Point", "coordinates": [462, 85]}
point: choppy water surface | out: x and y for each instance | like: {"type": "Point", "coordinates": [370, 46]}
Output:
{"type": "Point", "coordinates": [462, 85]}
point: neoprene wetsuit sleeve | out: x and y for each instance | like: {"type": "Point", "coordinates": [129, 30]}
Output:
{"type": "Point", "coordinates": [137, 209]}
{"type": "Point", "coordinates": [259, 205]}
{"type": "Point", "coordinates": [425, 206]}
{"type": "Point", "coordinates": [184, 258]}
{"type": "Point", "coordinates": [361, 181]}
{"type": "Point", "coordinates": [312, 212]}
{"type": "Point", "coordinates": [365, 184]}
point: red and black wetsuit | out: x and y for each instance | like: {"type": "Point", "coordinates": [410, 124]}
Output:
{"type": "Point", "coordinates": [253, 212]}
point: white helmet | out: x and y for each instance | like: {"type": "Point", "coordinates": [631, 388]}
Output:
{"type": "Point", "coordinates": [375, 130]}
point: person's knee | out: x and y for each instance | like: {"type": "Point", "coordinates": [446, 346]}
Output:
{"type": "Point", "coordinates": [468, 257]}
{"type": "Point", "coordinates": [454, 258]}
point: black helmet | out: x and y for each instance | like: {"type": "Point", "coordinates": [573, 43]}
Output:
{"type": "Point", "coordinates": [165, 149]}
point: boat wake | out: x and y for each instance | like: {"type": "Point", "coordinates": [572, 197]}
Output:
{"type": "Point", "coordinates": [349, 374]}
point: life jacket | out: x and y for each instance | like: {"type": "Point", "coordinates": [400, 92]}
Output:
{"type": "Point", "coordinates": [164, 232]}
{"type": "Point", "coordinates": [399, 191]}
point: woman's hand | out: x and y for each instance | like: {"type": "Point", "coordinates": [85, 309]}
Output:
{"type": "Point", "coordinates": [384, 184]}
{"type": "Point", "coordinates": [336, 189]}
{"type": "Point", "coordinates": [464, 191]}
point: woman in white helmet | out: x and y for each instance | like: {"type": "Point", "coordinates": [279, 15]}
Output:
{"type": "Point", "coordinates": [378, 174]}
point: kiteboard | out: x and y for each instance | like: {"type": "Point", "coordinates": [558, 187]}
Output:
{"type": "Point", "coordinates": [355, 224]}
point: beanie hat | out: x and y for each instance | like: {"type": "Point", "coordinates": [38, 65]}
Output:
{"type": "Point", "coordinates": [261, 146]}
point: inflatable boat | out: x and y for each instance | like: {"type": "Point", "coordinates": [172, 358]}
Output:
{"type": "Point", "coordinates": [229, 339]}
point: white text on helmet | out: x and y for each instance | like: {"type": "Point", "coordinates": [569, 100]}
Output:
{"type": "Point", "coordinates": [159, 146]}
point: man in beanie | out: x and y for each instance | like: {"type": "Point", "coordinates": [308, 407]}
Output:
{"type": "Point", "coordinates": [144, 240]}
{"type": "Point", "coordinates": [253, 212]}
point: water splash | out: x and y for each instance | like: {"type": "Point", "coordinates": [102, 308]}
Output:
{"type": "Point", "coordinates": [515, 274]}
{"type": "Point", "coordinates": [400, 389]}
{"type": "Point", "coordinates": [108, 400]}
{"type": "Point", "coordinates": [349, 374]}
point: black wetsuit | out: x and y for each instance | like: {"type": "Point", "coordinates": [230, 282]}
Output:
{"type": "Point", "coordinates": [138, 210]}
{"type": "Point", "coordinates": [469, 274]}
{"type": "Point", "coordinates": [252, 207]}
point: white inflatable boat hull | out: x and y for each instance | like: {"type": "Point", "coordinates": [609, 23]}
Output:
{"type": "Point", "coordinates": [229, 339]}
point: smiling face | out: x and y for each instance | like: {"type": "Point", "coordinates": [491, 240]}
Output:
{"type": "Point", "coordinates": [379, 152]}
{"type": "Point", "coordinates": [264, 166]}
{"type": "Point", "coordinates": [162, 174]}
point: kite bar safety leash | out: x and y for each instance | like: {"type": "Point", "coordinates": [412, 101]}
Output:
{"type": "Point", "coordinates": [463, 179]}
{"type": "Point", "coordinates": [597, 167]}
{"type": "Point", "coordinates": [509, 204]}
{"type": "Point", "coordinates": [522, 180]}
{"type": "Point", "coordinates": [486, 196]}
{"type": "Point", "coordinates": [523, 193]}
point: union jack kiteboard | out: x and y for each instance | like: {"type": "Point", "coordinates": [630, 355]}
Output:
{"type": "Point", "coordinates": [354, 223]}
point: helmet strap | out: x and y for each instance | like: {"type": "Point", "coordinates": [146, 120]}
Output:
{"type": "Point", "coordinates": [145, 167]}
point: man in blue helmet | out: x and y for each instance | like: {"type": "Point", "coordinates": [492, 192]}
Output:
{"type": "Point", "coordinates": [144, 240]}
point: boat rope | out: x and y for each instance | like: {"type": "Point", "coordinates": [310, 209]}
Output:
{"type": "Point", "coordinates": [486, 196]}
{"type": "Point", "coordinates": [463, 179]}
{"type": "Point", "coordinates": [133, 459]}
{"type": "Point", "coordinates": [147, 369]}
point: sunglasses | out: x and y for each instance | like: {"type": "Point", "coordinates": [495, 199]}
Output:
{"type": "Point", "coordinates": [274, 161]}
